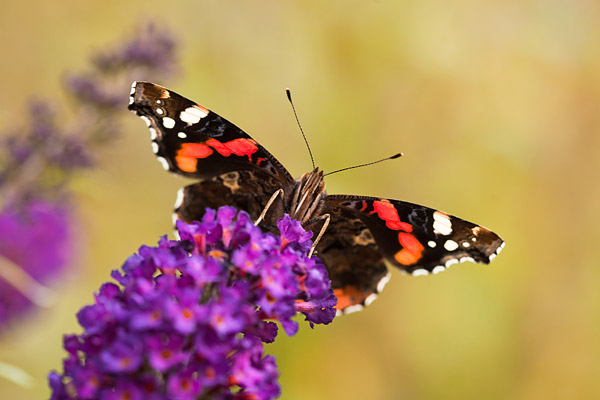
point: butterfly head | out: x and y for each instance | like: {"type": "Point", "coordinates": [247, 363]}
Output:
{"type": "Point", "coordinates": [307, 196]}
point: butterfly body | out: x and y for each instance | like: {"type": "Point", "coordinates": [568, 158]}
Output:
{"type": "Point", "coordinates": [363, 232]}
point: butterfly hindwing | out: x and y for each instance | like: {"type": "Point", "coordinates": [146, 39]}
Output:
{"type": "Point", "coordinates": [355, 264]}
{"type": "Point", "coordinates": [245, 190]}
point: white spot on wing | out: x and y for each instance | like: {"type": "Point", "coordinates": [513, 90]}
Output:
{"type": "Point", "coordinates": [438, 269]}
{"type": "Point", "coordinates": [431, 244]}
{"type": "Point", "coordinates": [420, 272]}
{"type": "Point", "coordinates": [163, 162]}
{"type": "Point", "coordinates": [193, 115]}
{"type": "Point", "coordinates": [450, 245]}
{"type": "Point", "coordinates": [181, 135]}
{"type": "Point", "coordinates": [146, 120]}
{"type": "Point", "coordinates": [352, 309]}
{"type": "Point", "coordinates": [451, 262]}
{"type": "Point", "coordinates": [154, 147]}
{"type": "Point", "coordinates": [174, 219]}
{"type": "Point", "coordinates": [159, 111]}
{"type": "Point", "coordinates": [500, 248]}
{"type": "Point", "coordinates": [179, 200]}
{"type": "Point", "coordinates": [168, 123]}
{"type": "Point", "coordinates": [383, 282]}
{"type": "Point", "coordinates": [153, 134]}
{"type": "Point", "coordinates": [133, 85]}
{"type": "Point", "coordinates": [442, 223]}
{"type": "Point", "coordinates": [370, 299]}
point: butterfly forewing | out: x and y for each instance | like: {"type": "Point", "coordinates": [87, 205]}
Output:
{"type": "Point", "coordinates": [418, 239]}
{"type": "Point", "coordinates": [190, 140]}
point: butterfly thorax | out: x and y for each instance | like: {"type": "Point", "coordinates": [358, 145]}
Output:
{"type": "Point", "coordinates": [305, 200]}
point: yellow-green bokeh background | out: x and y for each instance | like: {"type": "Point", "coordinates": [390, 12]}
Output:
{"type": "Point", "coordinates": [496, 104]}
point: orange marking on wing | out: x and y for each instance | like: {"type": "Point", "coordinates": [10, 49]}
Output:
{"type": "Point", "coordinates": [348, 296]}
{"type": "Point", "coordinates": [186, 164]}
{"type": "Point", "coordinates": [201, 108]}
{"type": "Point", "coordinates": [412, 249]}
{"type": "Point", "coordinates": [386, 211]}
{"type": "Point", "coordinates": [188, 154]}
{"type": "Point", "coordinates": [364, 206]}
{"type": "Point", "coordinates": [198, 150]}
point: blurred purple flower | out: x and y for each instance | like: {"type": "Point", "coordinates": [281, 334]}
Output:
{"type": "Point", "coordinates": [34, 247]}
{"type": "Point", "coordinates": [38, 161]}
{"type": "Point", "coordinates": [166, 333]}
{"type": "Point", "coordinates": [88, 88]}
{"type": "Point", "coordinates": [149, 53]}
{"type": "Point", "coordinates": [151, 49]}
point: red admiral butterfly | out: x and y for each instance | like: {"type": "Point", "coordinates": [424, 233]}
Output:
{"type": "Point", "coordinates": [363, 232]}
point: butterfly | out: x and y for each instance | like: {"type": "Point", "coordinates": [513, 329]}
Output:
{"type": "Point", "coordinates": [363, 233]}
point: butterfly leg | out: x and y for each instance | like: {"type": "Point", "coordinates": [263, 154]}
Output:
{"type": "Point", "coordinates": [325, 217]}
{"type": "Point", "coordinates": [269, 203]}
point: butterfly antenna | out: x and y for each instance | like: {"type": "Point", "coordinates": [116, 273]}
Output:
{"type": "Point", "coordinates": [289, 96]}
{"type": "Point", "coordinates": [364, 165]}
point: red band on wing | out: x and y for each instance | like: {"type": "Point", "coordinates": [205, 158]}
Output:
{"type": "Point", "coordinates": [220, 147]}
{"type": "Point", "coordinates": [412, 249]}
{"type": "Point", "coordinates": [242, 147]}
{"type": "Point", "coordinates": [386, 211]}
{"type": "Point", "coordinates": [189, 152]}
{"type": "Point", "coordinates": [239, 147]}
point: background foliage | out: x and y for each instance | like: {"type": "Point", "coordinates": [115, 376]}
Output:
{"type": "Point", "coordinates": [495, 105]}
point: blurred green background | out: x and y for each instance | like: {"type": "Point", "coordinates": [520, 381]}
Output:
{"type": "Point", "coordinates": [496, 105]}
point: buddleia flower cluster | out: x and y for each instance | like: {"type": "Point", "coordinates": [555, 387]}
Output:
{"type": "Point", "coordinates": [38, 160]}
{"type": "Point", "coordinates": [187, 319]}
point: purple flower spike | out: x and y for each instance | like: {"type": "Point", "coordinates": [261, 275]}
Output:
{"type": "Point", "coordinates": [39, 158]}
{"type": "Point", "coordinates": [189, 318]}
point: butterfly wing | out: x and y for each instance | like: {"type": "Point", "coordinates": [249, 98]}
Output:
{"type": "Point", "coordinates": [355, 264]}
{"type": "Point", "coordinates": [245, 190]}
{"type": "Point", "coordinates": [190, 140]}
{"type": "Point", "coordinates": [418, 239]}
